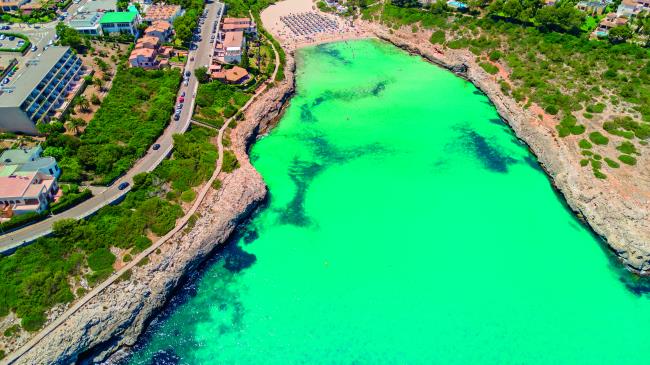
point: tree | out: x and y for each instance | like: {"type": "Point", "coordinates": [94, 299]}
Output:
{"type": "Point", "coordinates": [244, 60]}
{"type": "Point", "coordinates": [83, 103]}
{"type": "Point", "coordinates": [619, 34]}
{"type": "Point", "coordinates": [201, 74]}
{"type": "Point", "coordinates": [70, 37]}
{"type": "Point", "coordinates": [74, 124]}
{"type": "Point", "coordinates": [406, 3]}
{"type": "Point", "coordinates": [100, 84]}
{"type": "Point", "coordinates": [95, 99]}
{"type": "Point", "coordinates": [561, 17]}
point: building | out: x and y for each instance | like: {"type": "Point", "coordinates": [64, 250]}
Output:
{"type": "Point", "coordinates": [27, 181]}
{"type": "Point", "coordinates": [231, 48]}
{"type": "Point", "coordinates": [235, 75]}
{"type": "Point", "coordinates": [162, 12]}
{"type": "Point", "coordinates": [101, 6]}
{"type": "Point", "coordinates": [632, 8]}
{"type": "Point", "coordinates": [20, 194]}
{"type": "Point", "coordinates": [26, 161]}
{"type": "Point", "coordinates": [119, 22]}
{"type": "Point", "coordinates": [239, 25]}
{"type": "Point", "coordinates": [592, 7]}
{"type": "Point", "coordinates": [11, 5]}
{"type": "Point", "coordinates": [610, 21]}
{"type": "Point", "coordinates": [148, 42]}
{"type": "Point", "coordinates": [38, 89]}
{"type": "Point", "coordinates": [144, 57]}
{"type": "Point", "coordinates": [160, 29]}
{"type": "Point", "coordinates": [86, 23]}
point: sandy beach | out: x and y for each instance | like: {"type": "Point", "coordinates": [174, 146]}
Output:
{"type": "Point", "coordinates": [272, 21]}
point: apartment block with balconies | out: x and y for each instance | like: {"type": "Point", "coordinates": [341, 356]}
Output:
{"type": "Point", "coordinates": [38, 89]}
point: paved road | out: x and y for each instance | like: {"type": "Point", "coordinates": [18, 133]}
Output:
{"type": "Point", "coordinates": [10, 241]}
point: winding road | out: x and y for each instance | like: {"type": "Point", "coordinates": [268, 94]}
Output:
{"type": "Point", "coordinates": [103, 196]}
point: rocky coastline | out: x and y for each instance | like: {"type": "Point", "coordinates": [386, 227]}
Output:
{"type": "Point", "coordinates": [621, 222]}
{"type": "Point", "coordinates": [111, 322]}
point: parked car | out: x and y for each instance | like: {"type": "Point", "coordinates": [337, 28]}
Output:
{"type": "Point", "coordinates": [181, 99]}
{"type": "Point", "coordinates": [186, 83]}
{"type": "Point", "coordinates": [177, 117]}
{"type": "Point", "coordinates": [180, 106]}
{"type": "Point", "coordinates": [183, 94]}
{"type": "Point", "coordinates": [11, 38]}
{"type": "Point", "coordinates": [156, 147]}
{"type": "Point", "coordinates": [2, 37]}
{"type": "Point", "coordinates": [187, 73]}
{"type": "Point", "coordinates": [34, 48]}
{"type": "Point", "coordinates": [123, 186]}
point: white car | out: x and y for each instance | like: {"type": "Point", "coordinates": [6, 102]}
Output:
{"type": "Point", "coordinates": [2, 37]}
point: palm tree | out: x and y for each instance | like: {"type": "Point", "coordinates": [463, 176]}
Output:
{"type": "Point", "coordinates": [83, 103]}
{"type": "Point", "coordinates": [75, 123]}
{"type": "Point", "coordinates": [100, 84]}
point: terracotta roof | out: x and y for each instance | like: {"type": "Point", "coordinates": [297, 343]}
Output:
{"type": "Point", "coordinates": [158, 25]}
{"type": "Point", "coordinates": [162, 11]}
{"type": "Point", "coordinates": [233, 40]}
{"type": "Point", "coordinates": [14, 186]}
{"type": "Point", "coordinates": [147, 40]}
{"type": "Point", "coordinates": [236, 20]}
{"type": "Point", "coordinates": [236, 74]}
{"type": "Point", "coordinates": [145, 52]}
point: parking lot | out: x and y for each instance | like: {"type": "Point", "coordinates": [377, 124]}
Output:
{"type": "Point", "coordinates": [10, 42]}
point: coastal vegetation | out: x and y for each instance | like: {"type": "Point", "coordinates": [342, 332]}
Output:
{"type": "Point", "coordinates": [80, 254]}
{"type": "Point", "coordinates": [591, 86]}
{"type": "Point", "coordinates": [216, 102]}
{"type": "Point", "coordinates": [133, 114]}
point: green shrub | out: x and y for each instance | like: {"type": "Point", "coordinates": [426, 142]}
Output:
{"type": "Point", "coordinates": [101, 259]}
{"type": "Point", "coordinates": [627, 148]}
{"type": "Point", "coordinates": [599, 174]}
{"type": "Point", "coordinates": [596, 164]}
{"type": "Point", "coordinates": [188, 196]}
{"type": "Point", "coordinates": [495, 55]}
{"type": "Point", "coordinates": [584, 162]}
{"type": "Point", "coordinates": [597, 108]}
{"type": "Point", "coordinates": [611, 163]}
{"type": "Point", "coordinates": [230, 162]}
{"type": "Point", "coordinates": [598, 138]}
{"type": "Point", "coordinates": [437, 37]}
{"type": "Point", "coordinates": [584, 144]}
{"type": "Point", "coordinates": [489, 68]}
{"type": "Point", "coordinates": [597, 157]}
{"type": "Point", "coordinates": [627, 159]}
{"type": "Point", "coordinates": [216, 184]}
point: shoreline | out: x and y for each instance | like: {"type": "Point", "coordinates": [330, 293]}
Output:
{"type": "Point", "coordinates": [106, 326]}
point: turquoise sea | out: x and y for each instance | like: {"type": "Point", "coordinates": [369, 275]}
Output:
{"type": "Point", "coordinates": [405, 225]}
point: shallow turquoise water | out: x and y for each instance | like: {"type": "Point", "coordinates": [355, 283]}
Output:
{"type": "Point", "coordinates": [406, 225]}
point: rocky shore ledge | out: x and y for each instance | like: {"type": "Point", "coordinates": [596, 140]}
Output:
{"type": "Point", "coordinates": [115, 318]}
{"type": "Point", "coordinates": [623, 221]}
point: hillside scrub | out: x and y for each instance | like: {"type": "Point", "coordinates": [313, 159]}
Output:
{"type": "Point", "coordinates": [133, 114]}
